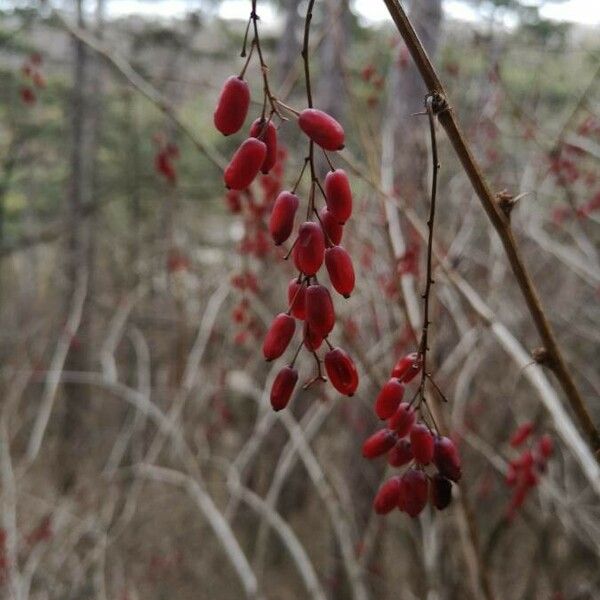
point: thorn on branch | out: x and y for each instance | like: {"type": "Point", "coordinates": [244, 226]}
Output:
{"type": "Point", "coordinates": [506, 202]}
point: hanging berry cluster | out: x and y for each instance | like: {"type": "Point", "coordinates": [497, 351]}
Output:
{"type": "Point", "coordinates": [318, 237]}
{"type": "Point", "coordinates": [524, 471]}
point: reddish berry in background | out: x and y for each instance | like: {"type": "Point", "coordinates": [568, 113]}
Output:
{"type": "Point", "coordinates": [341, 371]}
{"type": "Point", "coordinates": [283, 386]}
{"type": "Point", "coordinates": [278, 336]}
{"type": "Point", "coordinates": [320, 315]}
{"type": "Point", "coordinates": [232, 106]}
{"type": "Point", "coordinates": [281, 222]}
{"type": "Point", "coordinates": [387, 497]}
{"type": "Point", "coordinates": [340, 270]}
{"type": "Point", "coordinates": [413, 494]}
{"type": "Point", "coordinates": [338, 195]}
{"type": "Point", "coordinates": [521, 434]}
{"type": "Point", "coordinates": [388, 399]}
{"type": "Point", "coordinates": [267, 132]}
{"type": "Point", "coordinates": [245, 164]}
{"type": "Point", "coordinates": [379, 443]}
{"type": "Point", "coordinates": [322, 129]}
{"type": "Point", "coordinates": [333, 230]}
{"type": "Point", "coordinates": [297, 299]}
{"type": "Point", "coordinates": [422, 443]}
{"type": "Point", "coordinates": [309, 249]}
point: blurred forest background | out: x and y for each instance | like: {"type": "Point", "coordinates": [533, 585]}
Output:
{"type": "Point", "coordinates": [139, 456]}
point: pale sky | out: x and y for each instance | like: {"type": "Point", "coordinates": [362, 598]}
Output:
{"type": "Point", "coordinates": [577, 11]}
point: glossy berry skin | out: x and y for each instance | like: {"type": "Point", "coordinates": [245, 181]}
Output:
{"type": "Point", "coordinates": [446, 458]}
{"type": "Point", "coordinates": [309, 250]}
{"type": "Point", "coordinates": [388, 399]}
{"type": "Point", "coordinates": [245, 164]}
{"type": "Point", "coordinates": [297, 299]}
{"type": "Point", "coordinates": [341, 371]}
{"type": "Point", "coordinates": [320, 314]}
{"type": "Point", "coordinates": [281, 221]}
{"type": "Point", "coordinates": [264, 130]}
{"type": "Point", "coordinates": [407, 368]}
{"type": "Point", "coordinates": [422, 444]}
{"type": "Point", "coordinates": [283, 386]}
{"type": "Point", "coordinates": [278, 336]}
{"type": "Point", "coordinates": [402, 420]}
{"type": "Point", "coordinates": [338, 195]}
{"type": "Point", "coordinates": [312, 339]}
{"type": "Point", "coordinates": [414, 487]}
{"type": "Point", "coordinates": [379, 443]}
{"type": "Point", "coordinates": [441, 491]}
{"type": "Point", "coordinates": [386, 498]}
{"type": "Point", "coordinates": [332, 228]}
{"type": "Point", "coordinates": [340, 269]}
{"type": "Point", "coordinates": [232, 106]}
{"type": "Point", "coordinates": [401, 454]}
{"type": "Point", "coordinates": [322, 129]}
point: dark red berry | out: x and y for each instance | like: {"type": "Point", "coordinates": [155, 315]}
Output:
{"type": "Point", "coordinates": [309, 250]}
{"type": "Point", "coordinates": [338, 195]}
{"type": "Point", "coordinates": [340, 269]}
{"type": "Point", "coordinates": [341, 371]}
{"type": "Point", "coordinates": [283, 386]}
{"type": "Point", "coordinates": [281, 221]}
{"type": "Point", "coordinates": [322, 129]}
{"type": "Point", "coordinates": [441, 491]}
{"type": "Point", "coordinates": [312, 339]}
{"type": "Point", "coordinates": [388, 399]}
{"type": "Point", "coordinates": [278, 336]}
{"type": "Point", "coordinates": [232, 106]}
{"type": "Point", "coordinates": [320, 314]}
{"type": "Point", "coordinates": [403, 419]}
{"type": "Point", "coordinates": [546, 446]}
{"type": "Point", "coordinates": [245, 164]}
{"type": "Point", "coordinates": [264, 130]}
{"type": "Point", "coordinates": [446, 458]}
{"type": "Point", "coordinates": [421, 441]}
{"type": "Point", "coordinates": [297, 299]}
{"type": "Point", "coordinates": [413, 492]}
{"type": "Point", "coordinates": [407, 367]}
{"type": "Point", "coordinates": [332, 228]}
{"type": "Point", "coordinates": [401, 454]}
{"type": "Point", "coordinates": [387, 497]}
{"type": "Point", "coordinates": [379, 443]}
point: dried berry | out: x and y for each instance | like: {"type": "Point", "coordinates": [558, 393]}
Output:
{"type": "Point", "coordinates": [340, 269]}
{"type": "Point", "coordinates": [338, 195]}
{"type": "Point", "coordinates": [322, 129]}
{"type": "Point", "coordinates": [278, 336]}
{"type": "Point", "coordinates": [283, 386]}
{"type": "Point", "coordinates": [388, 399]}
{"type": "Point", "coordinates": [379, 443]}
{"type": "Point", "coordinates": [232, 106]}
{"type": "Point", "coordinates": [245, 164]}
{"type": "Point", "coordinates": [281, 221]}
{"type": "Point", "coordinates": [309, 250]}
{"type": "Point", "coordinates": [341, 371]}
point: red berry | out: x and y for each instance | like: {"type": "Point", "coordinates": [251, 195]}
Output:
{"type": "Point", "coordinates": [320, 314]}
{"type": "Point", "coordinates": [388, 399]}
{"type": "Point", "coordinates": [521, 434]}
{"type": "Point", "coordinates": [379, 443]}
{"type": "Point", "coordinates": [341, 371]}
{"type": "Point", "coordinates": [407, 367]}
{"type": "Point", "coordinates": [312, 339]}
{"type": "Point", "coordinates": [422, 443]}
{"type": "Point", "coordinates": [546, 446]}
{"type": "Point", "coordinates": [309, 250]}
{"type": "Point", "coordinates": [446, 458]}
{"type": "Point", "coordinates": [245, 164]}
{"type": "Point", "coordinates": [27, 95]}
{"type": "Point", "coordinates": [278, 336]}
{"type": "Point", "coordinates": [232, 106]}
{"type": "Point", "coordinates": [332, 228]}
{"type": "Point", "coordinates": [387, 497]}
{"type": "Point", "coordinates": [283, 386]}
{"type": "Point", "coordinates": [403, 419]}
{"type": "Point", "coordinates": [338, 195]}
{"type": "Point", "coordinates": [281, 221]}
{"type": "Point", "coordinates": [297, 299]}
{"type": "Point", "coordinates": [441, 492]}
{"type": "Point", "coordinates": [413, 492]}
{"type": "Point", "coordinates": [401, 454]}
{"type": "Point", "coordinates": [340, 269]}
{"type": "Point", "coordinates": [267, 132]}
{"type": "Point", "coordinates": [322, 129]}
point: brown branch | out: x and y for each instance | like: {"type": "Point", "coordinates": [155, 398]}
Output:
{"type": "Point", "coordinates": [499, 220]}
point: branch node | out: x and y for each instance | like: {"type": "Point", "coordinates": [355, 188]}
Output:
{"type": "Point", "coordinates": [506, 202]}
{"type": "Point", "coordinates": [542, 357]}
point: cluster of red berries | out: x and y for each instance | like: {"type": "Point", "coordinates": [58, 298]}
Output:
{"type": "Point", "coordinates": [164, 158]}
{"type": "Point", "coordinates": [375, 82]}
{"type": "Point", "coordinates": [524, 471]}
{"type": "Point", "coordinates": [31, 71]}
{"type": "Point", "coordinates": [413, 444]}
